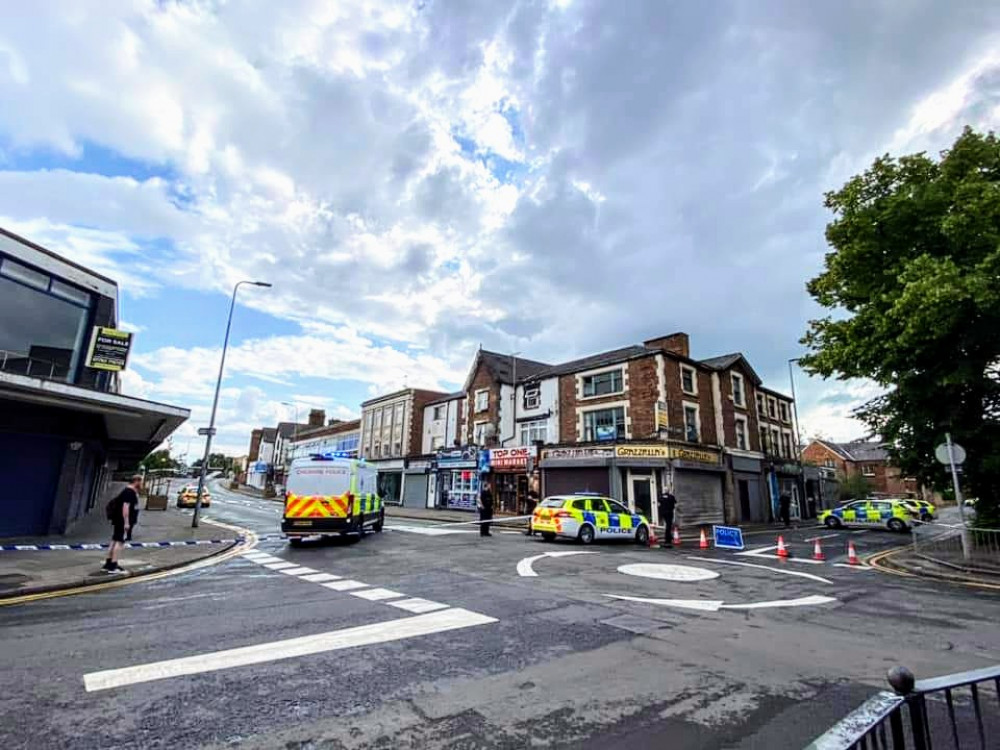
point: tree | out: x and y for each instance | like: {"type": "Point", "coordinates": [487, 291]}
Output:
{"type": "Point", "coordinates": [158, 461]}
{"type": "Point", "coordinates": [913, 280]}
{"type": "Point", "coordinates": [854, 487]}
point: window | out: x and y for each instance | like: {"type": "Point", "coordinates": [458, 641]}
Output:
{"type": "Point", "coordinates": [783, 410]}
{"type": "Point", "coordinates": [828, 463]}
{"type": "Point", "coordinates": [741, 433]}
{"type": "Point", "coordinates": [760, 404]}
{"type": "Point", "coordinates": [532, 396]}
{"type": "Point", "coordinates": [692, 424]}
{"type": "Point", "coordinates": [775, 442]}
{"type": "Point", "coordinates": [689, 380]}
{"type": "Point", "coordinates": [436, 443]}
{"type": "Point", "coordinates": [772, 407]}
{"type": "Point", "coordinates": [604, 424]}
{"type": "Point", "coordinates": [868, 470]}
{"type": "Point", "coordinates": [616, 507]}
{"type": "Point", "coordinates": [532, 431]}
{"type": "Point", "coordinates": [479, 433]}
{"type": "Point", "coordinates": [51, 329]}
{"type": "Point", "coordinates": [603, 384]}
{"type": "Point", "coordinates": [786, 445]}
{"type": "Point", "coordinates": [439, 412]}
{"type": "Point", "coordinates": [739, 395]}
{"type": "Point", "coordinates": [482, 400]}
{"type": "Point", "coordinates": [597, 505]}
{"type": "Point", "coordinates": [765, 442]}
{"type": "Point", "coordinates": [580, 504]}
{"type": "Point", "coordinates": [397, 448]}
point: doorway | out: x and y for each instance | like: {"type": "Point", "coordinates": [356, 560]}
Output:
{"type": "Point", "coordinates": [641, 495]}
{"type": "Point", "coordinates": [745, 513]}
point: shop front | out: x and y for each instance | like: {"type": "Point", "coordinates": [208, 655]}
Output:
{"type": "Point", "coordinates": [390, 480]}
{"type": "Point", "coordinates": [571, 469]}
{"type": "Point", "coordinates": [457, 478]}
{"type": "Point", "coordinates": [415, 482]}
{"type": "Point", "coordinates": [510, 468]}
{"type": "Point", "coordinates": [642, 471]}
{"type": "Point", "coordinates": [786, 479]}
{"type": "Point", "coordinates": [750, 490]}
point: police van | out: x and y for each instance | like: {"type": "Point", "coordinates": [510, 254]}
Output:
{"type": "Point", "coordinates": [329, 494]}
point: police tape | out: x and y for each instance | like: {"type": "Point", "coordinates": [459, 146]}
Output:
{"type": "Point", "coordinates": [106, 545]}
{"type": "Point", "coordinates": [499, 521]}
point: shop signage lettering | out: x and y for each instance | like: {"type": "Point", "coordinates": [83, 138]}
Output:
{"type": "Point", "coordinates": [458, 457]}
{"type": "Point", "coordinates": [578, 453]}
{"type": "Point", "coordinates": [511, 458]}
{"type": "Point", "coordinates": [691, 454]}
{"type": "Point", "coordinates": [642, 451]}
{"type": "Point", "coordinates": [109, 349]}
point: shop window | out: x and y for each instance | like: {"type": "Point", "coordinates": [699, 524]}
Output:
{"type": "Point", "coordinates": [536, 430]}
{"type": "Point", "coordinates": [603, 384]}
{"type": "Point", "coordinates": [739, 394]}
{"type": "Point", "coordinates": [692, 424]}
{"type": "Point", "coordinates": [741, 433]}
{"type": "Point", "coordinates": [532, 396]}
{"type": "Point", "coordinates": [604, 424]}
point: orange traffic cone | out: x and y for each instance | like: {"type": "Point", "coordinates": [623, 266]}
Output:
{"type": "Point", "coordinates": [653, 541]}
{"type": "Point", "coordinates": [703, 544]}
{"type": "Point", "coordinates": [818, 551]}
{"type": "Point", "coordinates": [852, 554]}
{"type": "Point", "coordinates": [676, 537]}
{"type": "Point", "coordinates": [782, 549]}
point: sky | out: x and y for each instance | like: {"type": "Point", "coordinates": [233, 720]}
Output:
{"type": "Point", "coordinates": [417, 179]}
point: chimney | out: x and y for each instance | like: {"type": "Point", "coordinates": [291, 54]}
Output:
{"type": "Point", "coordinates": [255, 437]}
{"type": "Point", "coordinates": [675, 342]}
{"type": "Point", "coordinates": [317, 417]}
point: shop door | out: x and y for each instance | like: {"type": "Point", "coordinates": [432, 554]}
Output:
{"type": "Point", "coordinates": [699, 497]}
{"type": "Point", "coordinates": [30, 466]}
{"type": "Point", "coordinates": [567, 481]}
{"type": "Point", "coordinates": [641, 495]}
{"type": "Point", "coordinates": [744, 490]}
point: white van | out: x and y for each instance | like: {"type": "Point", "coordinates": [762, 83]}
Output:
{"type": "Point", "coordinates": [331, 494]}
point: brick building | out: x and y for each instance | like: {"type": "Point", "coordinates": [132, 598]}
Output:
{"type": "Point", "coordinates": [862, 457]}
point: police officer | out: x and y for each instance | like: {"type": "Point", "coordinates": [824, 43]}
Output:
{"type": "Point", "coordinates": [667, 505]}
{"type": "Point", "coordinates": [485, 508]}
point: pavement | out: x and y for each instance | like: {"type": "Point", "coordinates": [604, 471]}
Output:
{"type": "Point", "coordinates": [36, 568]}
{"type": "Point", "coordinates": [426, 636]}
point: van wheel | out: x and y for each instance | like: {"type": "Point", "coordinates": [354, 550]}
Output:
{"type": "Point", "coordinates": [380, 523]}
{"type": "Point", "coordinates": [586, 535]}
{"type": "Point", "coordinates": [361, 525]}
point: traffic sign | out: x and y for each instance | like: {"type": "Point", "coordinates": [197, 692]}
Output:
{"type": "Point", "coordinates": [727, 537]}
{"type": "Point", "coordinates": [205, 431]}
{"type": "Point", "coordinates": [941, 454]}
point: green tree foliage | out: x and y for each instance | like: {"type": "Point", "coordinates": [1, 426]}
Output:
{"type": "Point", "coordinates": [854, 487]}
{"type": "Point", "coordinates": [913, 283]}
{"type": "Point", "coordinates": [158, 461]}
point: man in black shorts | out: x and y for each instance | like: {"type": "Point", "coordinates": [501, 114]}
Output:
{"type": "Point", "coordinates": [120, 514]}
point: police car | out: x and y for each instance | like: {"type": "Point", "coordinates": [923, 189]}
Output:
{"type": "Point", "coordinates": [885, 514]}
{"type": "Point", "coordinates": [922, 508]}
{"type": "Point", "coordinates": [187, 494]}
{"type": "Point", "coordinates": [588, 517]}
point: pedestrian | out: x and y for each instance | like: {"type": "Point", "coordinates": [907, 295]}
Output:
{"type": "Point", "coordinates": [119, 511]}
{"type": "Point", "coordinates": [485, 508]}
{"type": "Point", "coordinates": [668, 503]}
{"type": "Point", "coordinates": [532, 503]}
{"type": "Point", "coordinates": [785, 508]}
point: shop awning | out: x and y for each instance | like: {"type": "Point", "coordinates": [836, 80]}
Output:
{"type": "Point", "coordinates": [132, 427]}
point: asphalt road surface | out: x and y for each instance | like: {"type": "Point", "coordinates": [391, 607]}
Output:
{"type": "Point", "coordinates": [430, 637]}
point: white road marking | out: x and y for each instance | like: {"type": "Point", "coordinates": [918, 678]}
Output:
{"type": "Point", "coordinates": [681, 573]}
{"type": "Point", "coordinates": [418, 605]}
{"type": "Point", "coordinates": [714, 606]}
{"type": "Point", "coordinates": [524, 566]}
{"type": "Point", "coordinates": [345, 585]}
{"type": "Point", "coordinates": [765, 567]}
{"type": "Point", "coordinates": [821, 536]}
{"type": "Point", "coordinates": [429, 530]}
{"type": "Point", "coordinates": [762, 552]}
{"type": "Point", "coordinates": [377, 595]}
{"type": "Point", "coordinates": [320, 578]}
{"type": "Point", "coordinates": [297, 571]}
{"type": "Point", "coordinates": [280, 565]}
{"type": "Point", "coordinates": [365, 635]}
{"type": "Point", "coordinates": [861, 568]}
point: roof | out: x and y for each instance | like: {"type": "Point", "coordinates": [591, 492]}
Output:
{"type": "Point", "coordinates": [503, 366]}
{"type": "Point", "coordinates": [773, 392]}
{"type": "Point", "coordinates": [728, 360]}
{"type": "Point", "coordinates": [330, 429]}
{"type": "Point", "coordinates": [595, 360]}
{"type": "Point", "coordinates": [858, 450]}
{"type": "Point", "coordinates": [35, 246]}
{"type": "Point", "coordinates": [287, 429]}
{"type": "Point", "coordinates": [268, 434]}
{"type": "Point", "coordinates": [401, 392]}
{"type": "Point", "coordinates": [450, 397]}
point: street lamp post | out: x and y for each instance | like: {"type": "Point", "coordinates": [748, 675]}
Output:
{"type": "Point", "coordinates": [215, 401]}
{"type": "Point", "coordinates": [795, 424]}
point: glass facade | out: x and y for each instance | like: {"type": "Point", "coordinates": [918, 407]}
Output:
{"type": "Point", "coordinates": [43, 323]}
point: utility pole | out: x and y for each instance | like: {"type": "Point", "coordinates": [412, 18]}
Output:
{"type": "Point", "coordinates": [798, 442]}
{"type": "Point", "coordinates": [958, 495]}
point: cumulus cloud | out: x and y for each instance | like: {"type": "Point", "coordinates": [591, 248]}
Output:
{"type": "Point", "coordinates": [557, 178]}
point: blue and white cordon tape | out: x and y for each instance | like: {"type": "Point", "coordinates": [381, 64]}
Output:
{"type": "Point", "coordinates": [133, 545]}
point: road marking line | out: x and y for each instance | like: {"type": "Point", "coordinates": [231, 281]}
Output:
{"type": "Point", "coordinates": [345, 585]}
{"type": "Point", "coordinates": [766, 567]}
{"type": "Point", "coordinates": [524, 566]}
{"type": "Point", "coordinates": [280, 565]}
{"type": "Point", "coordinates": [254, 553]}
{"type": "Point", "coordinates": [320, 578]}
{"type": "Point", "coordinates": [377, 595]}
{"type": "Point", "coordinates": [297, 571]}
{"type": "Point", "coordinates": [861, 568]}
{"type": "Point", "coordinates": [266, 559]}
{"type": "Point", "coordinates": [762, 552]}
{"type": "Point", "coordinates": [706, 605]}
{"type": "Point", "coordinates": [365, 635]}
{"type": "Point", "coordinates": [821, 536]}
{"type": "Point", "coordinates": [429, 530]}
{"type": "Point", "coordinates": [418, 605]}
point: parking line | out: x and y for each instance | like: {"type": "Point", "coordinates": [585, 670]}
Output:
{"type": "Point", "coordinates": [377, 595]}
{"type": "Point", "coordinates": [298, 571]}
{"type": "Point", "coordinates": [418, 605]}
{"type": "Point", "coordinates": [280, 565]}
{"type": "Point", "coordinates": [345, 585]}
{"type": "Point", "coordinates": [320, 578]}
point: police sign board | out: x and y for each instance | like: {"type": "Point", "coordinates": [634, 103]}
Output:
{"type": "Point", "coordinates": [727, 537]}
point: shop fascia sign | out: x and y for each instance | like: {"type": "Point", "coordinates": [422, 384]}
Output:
{"type": "Point", "coordinates": [512, 458]}
{"type": "Point", "coordinates": [458, 457]}
{"type": "Point", "coordinates": [666, 451]}
{"type": "Point", "coordinates": [578, 453]}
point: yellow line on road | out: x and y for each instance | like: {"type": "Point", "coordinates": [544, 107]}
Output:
{"type": "Point", "coordinates": [250, 541]}
{"type": "Point", "coordinates": [875, 560]}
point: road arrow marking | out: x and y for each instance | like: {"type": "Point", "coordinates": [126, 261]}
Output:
{"type": "Point", "coordinates": [714, 606]}
{"type": "Point", "coordinates": [525, 570]}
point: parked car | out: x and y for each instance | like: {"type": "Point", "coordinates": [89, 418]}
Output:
{"type": "Point", "coordinates": [187, 494]}
{"type": "Point", "coordinates": [886, 514]}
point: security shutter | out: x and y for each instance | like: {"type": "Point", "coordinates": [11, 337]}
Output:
{"type": "Point", "coordinates": [567, 481]}
{"type": "Point", "coordinates": [699, 497]}
{"type": "Point", "coordinates": [415, 491]}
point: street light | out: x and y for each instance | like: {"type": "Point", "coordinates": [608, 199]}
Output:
{"type": "Point", "coordinates": [215, 401]}
{"type": "Point", "coordinates": [798, 443]}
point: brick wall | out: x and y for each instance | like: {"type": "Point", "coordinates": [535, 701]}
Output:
{"type": "Point", "coordinates": [255, 437]}
{"type": "Point", "coordinates": [482, 378]}
{"type": "Point", "coordinates": [567, 409]}
{"type": "Point", "coordinates": [413, 440]}
{"type": "Point", "coordinates": [643, 393]}
{"type": "Point", "coordinates": [818, 454]}
{"type": "Point", "coordinates": [676, 396]}
{"type": "Point", "coordinates": [730, 410]}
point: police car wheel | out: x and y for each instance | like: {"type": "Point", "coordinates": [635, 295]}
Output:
{"type": "Point", "coordinates": [896, 525]}
{"type": "Point", "coordinates": [548, 536]}
{"type": "Point", "coordinates": [642, 536]}
{"type": "Point", "coordinates": [586, 535]}
{"type": "Point", "coordinates": [832, 522]}
{"type": "Point", "coordinates": [295, 541]}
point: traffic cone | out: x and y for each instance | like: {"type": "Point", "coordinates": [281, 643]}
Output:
{"type": "Point", "coordinates": [818, 551]}
{"type": "Point", "coordinates": [703, 544]}
{"type": "Point", "coordinates": [852, 554]}
{"type": "Point", "coordinates": [782, 549]}
{"type": "Point", "coordinates": [653, 541]}
{"type": "Point", "coordinates": [677, 537]}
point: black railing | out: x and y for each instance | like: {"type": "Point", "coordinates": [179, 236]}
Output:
{"type": "Point", "coordinates": [913, 715]}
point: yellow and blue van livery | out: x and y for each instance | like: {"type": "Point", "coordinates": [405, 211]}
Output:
{"type": "Point", "coordinates": [331, 494]}
{"type": "Point", "coordinates": [870, 513]}
{"type": "Point", "coordinates": [588, 518]}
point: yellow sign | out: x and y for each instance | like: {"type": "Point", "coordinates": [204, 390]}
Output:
{"type": "Point", "coordinates": [109, 349]}
{"type": "Point", "coordinates": [642, 451]}
{"type": "Point", "coordinates": [692, 454]}
{"type": "Point", "coordinates": [662, 422]}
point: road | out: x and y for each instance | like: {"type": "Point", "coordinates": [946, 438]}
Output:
{"type": "Point", "coordinates": [430, 637]}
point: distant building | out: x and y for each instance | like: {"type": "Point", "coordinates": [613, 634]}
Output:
{"type": "Point", "coordinates": [335, 437]}
{"type": "Point", "coordinates": [867, 458]}
{"type": "Point", "coordinates": [64, 426]}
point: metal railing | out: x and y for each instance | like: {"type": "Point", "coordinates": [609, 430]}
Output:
{"type": "Point", "coordinates": [953, 711]}
{"type": "Point", "coordinates": [20, 363]}
{"type": "Point", "coordinates": [943, 544]}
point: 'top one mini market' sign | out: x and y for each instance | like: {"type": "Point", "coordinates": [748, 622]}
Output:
{"type": "Point", "coordinates": [109, 349]}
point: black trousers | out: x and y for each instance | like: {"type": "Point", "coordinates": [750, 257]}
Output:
{"type": "Point", "coordinates": [485, 514]}
{"type": "Point", "coordinates": [668, 525]}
